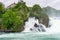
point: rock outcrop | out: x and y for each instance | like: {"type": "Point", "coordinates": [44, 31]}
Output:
{"type": "Point", "coordinates": [44, 20]}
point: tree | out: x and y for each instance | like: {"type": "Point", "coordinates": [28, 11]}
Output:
{"type": "Point", "coordinates": [2, 9]}
{"type": "Point", "coordinates": [31, 13]}
{"type": "Point", "coordinates": [21, 9]}
{"type": "Point", "coordinates": [36, 8]}
{"type": "Point", "coordinates": [11, 21]}
{"type": "Point", "coordinates": [38, 11]}
{"type": "Point", "coordinates": [17, 15]}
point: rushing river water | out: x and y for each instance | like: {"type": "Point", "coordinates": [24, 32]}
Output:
{"type": "Point", "coordinates": [52, 33]}
{"type": "Point", "coordinates": [30, 36]}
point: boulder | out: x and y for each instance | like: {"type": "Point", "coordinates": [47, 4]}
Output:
{"type": "Point", "coordinates": [44, 20]}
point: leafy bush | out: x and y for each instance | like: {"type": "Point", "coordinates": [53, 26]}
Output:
{"type": "Point", "coordinates": [36, 8]}
{"type": "Point", "coordinates": [2, 9]}
{"type": "Point", "coordinates": [11, 20]}
{"type": "Point", "coordinates": [21, 9]}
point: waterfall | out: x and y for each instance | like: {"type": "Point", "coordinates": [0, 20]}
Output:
{"type": "Point", "coordinates": [32, 25]}
{"type": "Point", "coordinates": [50, 33]}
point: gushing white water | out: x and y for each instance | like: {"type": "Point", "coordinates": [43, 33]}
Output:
{"type": "Point", "coordinates": [54, 22]}
{"type": "Point", "coordinates": [55, 25]}
{"type": "Point", "coordinates": [29, 26]}
{"type": "Point", "coordinates": [51, 32]}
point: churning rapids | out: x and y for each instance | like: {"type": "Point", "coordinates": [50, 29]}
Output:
{"type": "Point", "coordinates": [32, 32]}
{"type": "Point", "coordinates": [53, 27]}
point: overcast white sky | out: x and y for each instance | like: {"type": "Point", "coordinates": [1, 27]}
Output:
{"type": "Point", "coordinates": [43, 3]}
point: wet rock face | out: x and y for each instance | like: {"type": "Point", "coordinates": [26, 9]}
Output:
{"type": "Point", "coordinates": [44, 20]}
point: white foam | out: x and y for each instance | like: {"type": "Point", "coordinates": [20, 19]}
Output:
{"type": "Point", "coordinates": [55, 25]}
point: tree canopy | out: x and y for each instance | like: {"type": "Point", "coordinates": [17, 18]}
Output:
{"type": "Point", "coordinates": [2, 9]}
{"type": "Point", "coordinates": [11, 20]}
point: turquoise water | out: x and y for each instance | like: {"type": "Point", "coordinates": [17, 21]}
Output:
{"type": "Point", "coordinates": [52, 33]}
{"type": "Point", "coordinates": [30, 36]}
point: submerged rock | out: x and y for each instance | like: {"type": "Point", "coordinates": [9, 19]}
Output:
{"type": "Point", "coordinates": [38, 28]}
{"type": "Point", "coordinates": [36, 25]}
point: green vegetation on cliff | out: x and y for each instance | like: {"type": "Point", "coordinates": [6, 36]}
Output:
{"type": "Point", "coordinates": [2, 9]}
{"type": "Point", "coordinates": [21, 10]}
{"type": "Point", "coordinates": [11, 21]}
{"type": "Point", "coordinates": [14, 17]}
{"type": "Point", "coordinates": [38, 12]}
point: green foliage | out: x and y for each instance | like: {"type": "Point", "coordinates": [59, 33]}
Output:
{"type": "Point", "coordinates": [37, 9]}
{"type": "Point", "coordinates": [21, 10]}
{"type": "Point", "coordinates": [14, 17]}
{"type": "Point", "coordinates": [23, 15]}
{"type": "Point", "coordinates": [38, 12]}
{"type": "Point", "coordinates": [2, 9]}
{"type": "Point", "coordinates": [20, 6]}
{"type": "Point", "coordinates": [31, 13]}
{"type": "Point", "coordinates": [11, 20]}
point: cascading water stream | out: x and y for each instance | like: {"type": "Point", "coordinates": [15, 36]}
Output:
{"type": "Point", "coordinates": [54, 23]}
{"type": "Point", "coordinates": [32, 25]}
{"type": "Point", "coordinates": [35, 30]}
{"type": "Point", "coordinates": [35, 34]}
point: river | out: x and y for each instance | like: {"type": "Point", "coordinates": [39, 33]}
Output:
{"type": "Point", "coordinates": [52, 33]}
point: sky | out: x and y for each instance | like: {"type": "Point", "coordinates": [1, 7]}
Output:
{"type": "Point", "coordinates": [43, 3]}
